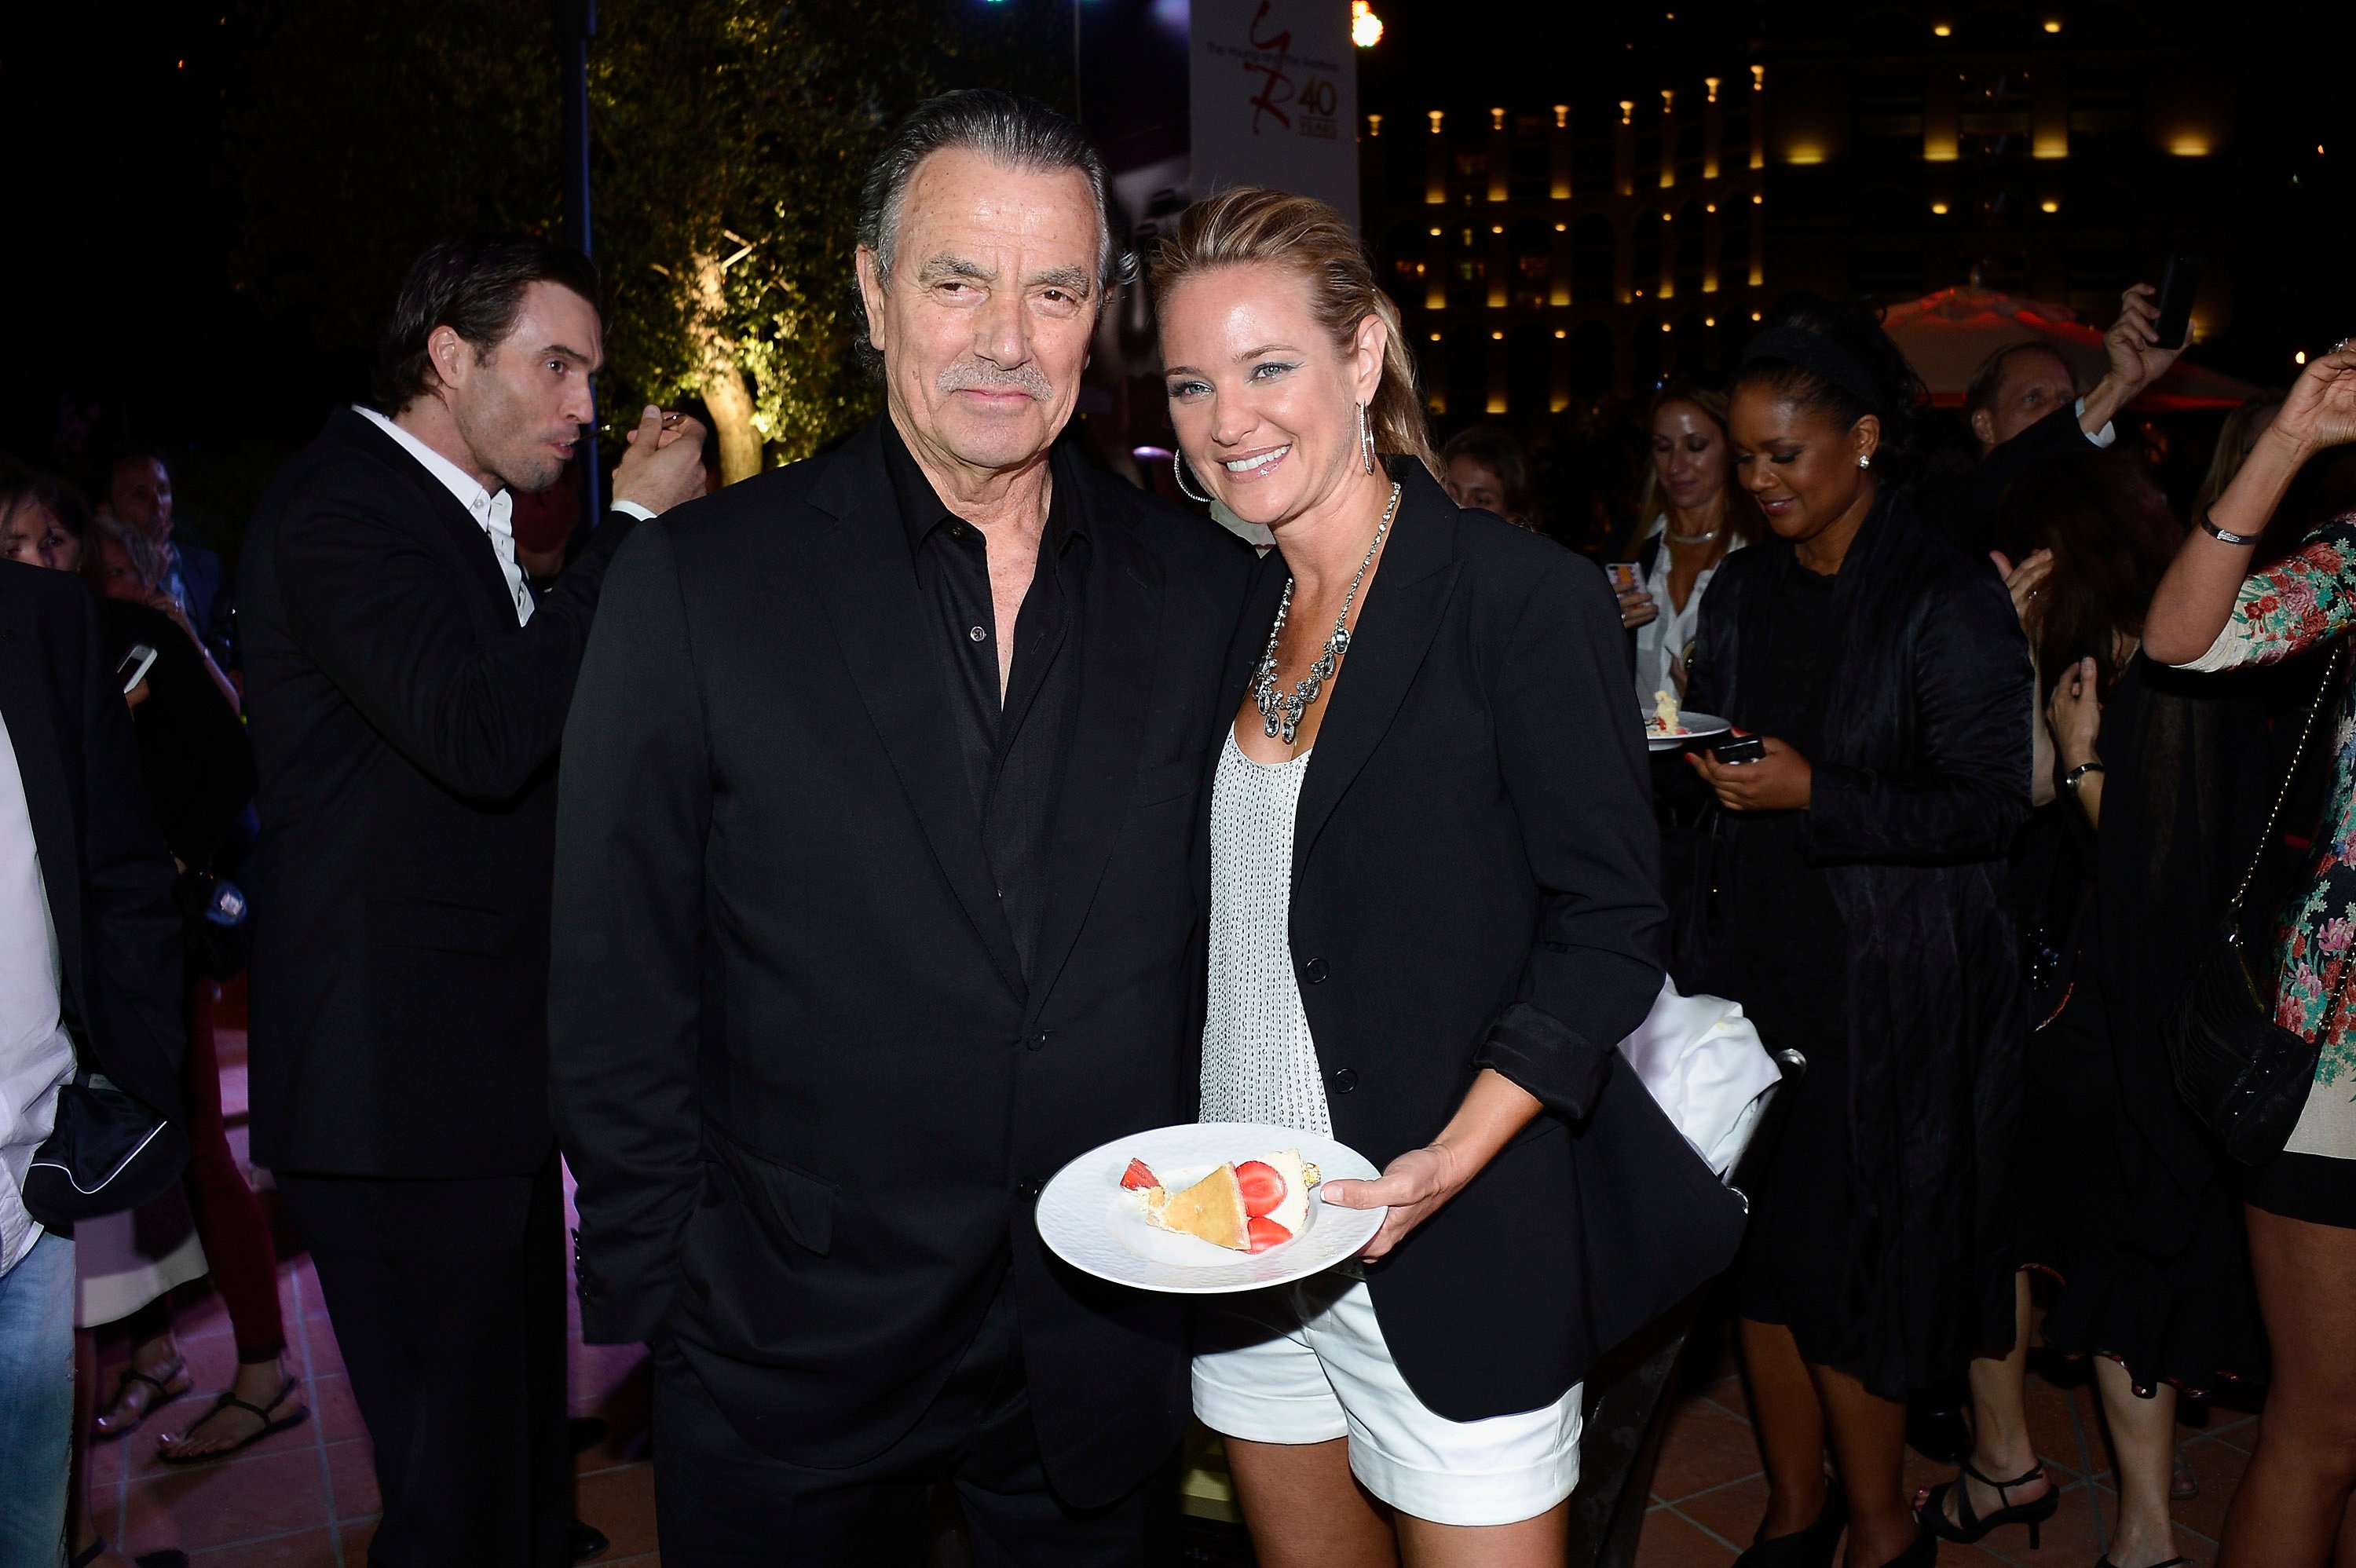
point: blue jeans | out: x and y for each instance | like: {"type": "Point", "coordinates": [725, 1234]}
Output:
{"type": "Point", "coordinates": [36, 1354]}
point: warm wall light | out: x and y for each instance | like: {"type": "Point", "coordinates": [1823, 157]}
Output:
{"type": "Point", "coordinates": [1562, 228]}
{"type": "Point", "coordinates": [1365, 28]}
{"type": "Point", "coordinates": [1434, 116]}
{"type": "Point", "coordinates": [1940, 207]}
{"type": "Point", "coordinates": [1665, 327]}
{"type": "Point", "coordinates": [1711, 208]}
{"type": "Point", "coordinates": [1562, 116]}
{"type": "Point", "coordinates": [1754, 315]}
{"type": "Point", "coordinates": [1712, 82]}
{"type": "Point", "coordinates": [2049, 205]}
{"type": "Point", "coordinates": [1496, 119]}
{"type": "Point", "coordinates": [1669, 99]}
{"type": "Point", "coordinates": [1709, 321]}
{"type": "Point", "coordinates": [1373, 126]}
{"type": "Point", "coordinates": [1435, 234]}
{"type": "Point", "coordinates": [1627, 111]}
{"type": "Point", "coordinates": [1758, 79]}
{"type": "Point", "coordinates": [1941, 30]}
{"type": "Point", "coordinates": [1496, 338]}
{"type": "Point", "coordinates": [1558, 332]}
{"type": "Point", "coordinates": [1804, 153]}
{"type": "Point", "coordinates": [2190, 146]}
{"type": "Point", "coordinates": [1435, 337]}
{"type": "Point", "coordinates": [2053, 26]}
{"type": "Point", "coordinates": [1496, 229]}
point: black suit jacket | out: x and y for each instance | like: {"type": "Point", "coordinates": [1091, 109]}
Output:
{"type": "Point", "coordinates": [1475, 885]}
{"type": "Point", "coordinates": [808, 1092]}
{"type": "Point", "coordinates": [103, 864]}
{"type": "Point", "coordinates": [404, 732]}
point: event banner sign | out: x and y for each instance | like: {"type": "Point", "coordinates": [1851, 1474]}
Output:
{"type": "Point", "coordinates": [1274, 95]}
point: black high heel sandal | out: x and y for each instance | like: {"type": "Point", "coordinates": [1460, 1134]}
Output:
{"type": "Point", "coordinates": [1967, 1526]}
{"type": "Point", "coordinates": [1809, 1548]}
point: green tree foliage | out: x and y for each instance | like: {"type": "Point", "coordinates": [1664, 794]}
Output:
{"type": "Point", "coordinates": [728, 142]}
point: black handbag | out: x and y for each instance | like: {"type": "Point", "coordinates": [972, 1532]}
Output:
{"type": "Point", "coordinates": [2244, 1075]}
{"type": "Point", "coordinates": [109, 1151]}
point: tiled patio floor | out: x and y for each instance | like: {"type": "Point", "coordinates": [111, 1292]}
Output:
{"type": "Point", "coordinates": [307, 1498]}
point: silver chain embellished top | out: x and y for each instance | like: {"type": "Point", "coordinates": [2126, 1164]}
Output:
{"type": "Point", "coordinates": [1260, 1064]}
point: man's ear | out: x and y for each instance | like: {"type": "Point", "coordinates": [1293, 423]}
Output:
{"type": "Point", "coordinates": [871, 295]}
{"type": "Point", "coordinates": [451, 356]}
{"type": "Point", "coordinates": [1983, 427]}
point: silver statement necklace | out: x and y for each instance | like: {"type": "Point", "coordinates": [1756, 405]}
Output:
{"type": "Point", "coordinates": [1694, 538]}
{"type": "Point", "coordinates": [1281, 714]}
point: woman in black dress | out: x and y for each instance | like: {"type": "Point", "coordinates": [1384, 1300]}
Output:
{"type": "Point", "coordinates": [1862, 883]}
{"type": "Point", "coordinates": [2160, 785]}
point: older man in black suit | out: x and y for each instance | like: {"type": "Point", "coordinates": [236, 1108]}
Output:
{"type": "Point", "coordinates": [407, 687]}
{"type": "Point", "coordinates": [876, 905]}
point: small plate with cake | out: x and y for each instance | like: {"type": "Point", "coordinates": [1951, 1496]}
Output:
{"type": "Point", "coordinates": [1206, 1207]}
{"type": "Point", "coordinates": [1667, 727]}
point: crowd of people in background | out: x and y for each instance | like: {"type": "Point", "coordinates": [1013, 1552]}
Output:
{"type": "Point", "coordinates": [2026, 734]}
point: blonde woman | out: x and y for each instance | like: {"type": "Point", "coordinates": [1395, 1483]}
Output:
{"type": "Point", "coordinates": [1433, 914]}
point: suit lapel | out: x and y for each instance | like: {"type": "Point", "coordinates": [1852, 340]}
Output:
{"type": "Point", "coordinates": [1119, 632]}
{"type": "Point", "coordinates": [1395, 628]}
{"type": "Point", "coordinates": [466, 536]}
{"type": "Point", "coordinates": [861, 567]}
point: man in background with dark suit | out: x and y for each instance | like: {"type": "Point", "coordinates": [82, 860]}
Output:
{"type": "Point", "coordinates": [878, 904]}
{"type": "Point", "coordinates": [407, 687]}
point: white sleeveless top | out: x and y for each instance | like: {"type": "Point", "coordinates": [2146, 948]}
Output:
{"type": "Point", "coordinates": [1260, 1064]}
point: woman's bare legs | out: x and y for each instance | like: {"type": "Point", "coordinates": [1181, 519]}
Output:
{"type": "Point", "coordinates": [2295, 1498]}
{"type": "Point", "coordinates": [1305, 1510]}
{"type": "Point", "coordinates": [2001, 1441]}
{"type": "Point", "coordinates": [1789, 1419]}
{"type": "Point", "coordinates": [1869, 1436]}
{"type": "Point", "coordinates": [2143, 1441]}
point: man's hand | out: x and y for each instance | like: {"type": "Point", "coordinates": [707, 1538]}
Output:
{"type": "Point", "coordinates": [2136, 359]}
{"type": "Point", "coordinates": [665, 463]}
{"type": "Point", "coordinates": [1780, 781]}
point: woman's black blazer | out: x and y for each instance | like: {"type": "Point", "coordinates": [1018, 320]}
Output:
{"type": "Point", "coordinates": [1474, 885]}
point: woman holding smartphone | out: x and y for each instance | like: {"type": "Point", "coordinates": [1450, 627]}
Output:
{"type": "Point", "coordinates": [1434, 915]}
{"type": "Point", "coordinates": [1867, 926]}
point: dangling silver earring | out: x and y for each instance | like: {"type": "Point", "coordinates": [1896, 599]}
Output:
{"type": "Point", "coordinates": [1865, 460]}
{"type": "Point", "coordinates": [1365, 439]}
{"type": "Point", "coordinates": [1178, 471]}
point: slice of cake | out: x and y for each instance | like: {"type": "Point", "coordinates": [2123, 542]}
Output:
{"type": "Point", "coordinates": [1212, 1211]}
{"type": "Point", "coordinates": [1276, 1195]}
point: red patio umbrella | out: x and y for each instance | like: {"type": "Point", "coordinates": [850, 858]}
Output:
{"type": "Point", "coordinates": [1948, 335]}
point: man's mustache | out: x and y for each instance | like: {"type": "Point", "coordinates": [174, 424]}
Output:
{"type": "Point", "coordinates": [974, 375]}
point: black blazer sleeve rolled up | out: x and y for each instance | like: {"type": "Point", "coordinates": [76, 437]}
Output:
{"type": "Point", "coordinates": [1475, 886]}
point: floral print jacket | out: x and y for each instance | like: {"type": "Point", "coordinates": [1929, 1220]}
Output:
{"type": "Point", "coordinates": [2290, 607]}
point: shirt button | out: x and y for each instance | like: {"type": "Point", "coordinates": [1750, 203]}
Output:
{"type": "Point", "coordinates": [1345, 1080]}
{"type": "Point", "coordinates": [1315, 971]}
{"type": "Point", "coordinates": [977, 634]}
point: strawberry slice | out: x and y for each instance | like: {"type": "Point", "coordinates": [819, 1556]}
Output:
{"type": "Point", "coordinates": [1263, 1187]}
{"type": "Point", "coordinates": [1266, 1232]}
{"type": "Point", "coordinates": [1137, 1177]}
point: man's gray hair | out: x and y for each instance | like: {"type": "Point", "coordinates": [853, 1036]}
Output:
{"type": "Point", "coordinates": [1013, 131]}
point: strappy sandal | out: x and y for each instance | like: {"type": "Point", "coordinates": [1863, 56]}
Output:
{"type": "Point", "coordinates": [1967, 1526]}
{"type": "Point", "coordinates": [229, 1400]}
{"type": "Point", "coordinates": [168, 1387]}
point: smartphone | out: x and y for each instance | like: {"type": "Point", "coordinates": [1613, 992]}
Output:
{"type": "Point", "coordinates": [2177, 287]}
{"type": "Point", "coordinates": [1740, 749]}
{"type": "Point", "coordinates": [1625, 578]}
{"type": "Point", "coordinates": [134, 666]}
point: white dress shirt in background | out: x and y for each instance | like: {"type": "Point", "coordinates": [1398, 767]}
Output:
{"type": "Point", "coordinates": [1670, 633]}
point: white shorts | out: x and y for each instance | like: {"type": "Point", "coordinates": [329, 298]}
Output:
{"type": "Point", "coordinates": [1306, 1363]}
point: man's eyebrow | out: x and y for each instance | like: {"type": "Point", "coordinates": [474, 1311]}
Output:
{"type": "Point", "coordinates": [948, 266]}
{"type": "Point", "coordinates": [1071, 280]}
{"type": "Point", "coordinates": [573, 354]}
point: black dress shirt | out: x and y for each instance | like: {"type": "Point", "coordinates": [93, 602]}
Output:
{"type": "Point", "coordinates": [1013, 749]}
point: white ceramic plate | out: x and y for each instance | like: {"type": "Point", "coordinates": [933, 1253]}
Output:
{"type": "Point", "coordinates": [1696, 727]}
{"type": "Point", "coordinates": [1098, 1227]}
